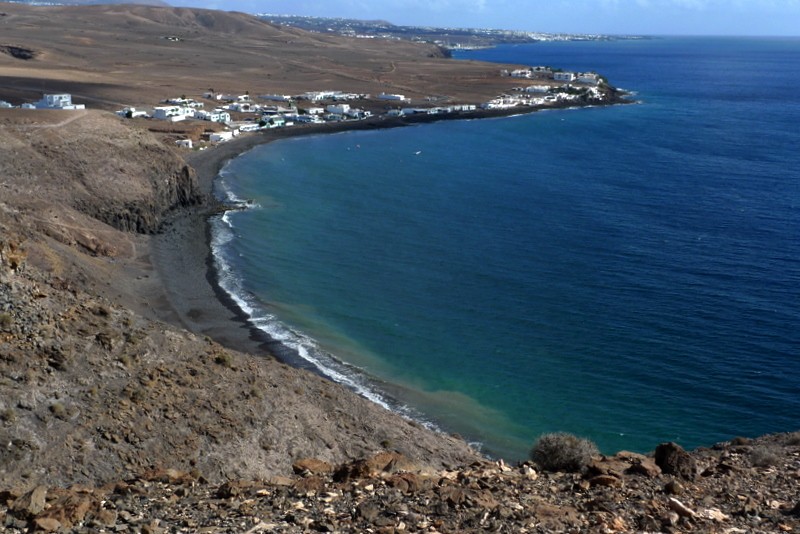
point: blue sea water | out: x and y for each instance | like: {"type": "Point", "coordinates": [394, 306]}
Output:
{"type": "Point", "coordinates": [630, 274]}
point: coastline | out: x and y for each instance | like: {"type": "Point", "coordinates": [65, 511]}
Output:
{"type": "Point", "coordinates": [183, 258]}
{"type": "Point", "coordinates": [182, 251]}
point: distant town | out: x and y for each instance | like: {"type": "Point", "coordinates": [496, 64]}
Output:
{"type": "Point", "coordinates": [447, 38]}
{"type": "Point", "coordinates": [228, 115]}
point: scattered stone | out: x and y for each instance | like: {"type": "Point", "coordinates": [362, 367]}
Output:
{"type": "Point", "coordinates": [714, 514]}
{"type": "Point", "coordinates": [605, 480]}
{"type": "Point", "coordinates": [796, 510]}
{"type": "Point", "coordinates": [311, 466]}
{"type": "Point", "coordinates": [673, 487]}
{"type": "Point", "coordinates": [671, 519]}
{"type": "Point", "coordinates": [750, 507]}
{"type": "Point", "coordinates": [681, 509]}
{"type": "Point", "coordinates": [234, 488]}
{"type": "Point", "coordinates": [368, 511]}
{"type": "Point", "coordinates": [168, 476]}
{"type": "Point", "coordinates": [47, 524]}
{"type": "Point", "coordinates": [31, 503]}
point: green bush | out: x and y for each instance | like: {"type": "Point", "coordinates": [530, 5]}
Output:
{"type": "Point", "coordinates": [561, 451]}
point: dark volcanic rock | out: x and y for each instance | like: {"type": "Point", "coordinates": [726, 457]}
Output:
{"type": "Point", "coordinates": [673, 460]}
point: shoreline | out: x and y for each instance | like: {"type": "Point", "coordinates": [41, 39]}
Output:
{"type": "Point", "coordinates": [182, 252]}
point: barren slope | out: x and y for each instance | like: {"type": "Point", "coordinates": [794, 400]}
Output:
{"type": "Point", "coordinates": [111, 56]}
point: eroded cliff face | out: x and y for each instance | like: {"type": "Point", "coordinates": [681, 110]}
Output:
{"type": "Point", "coordinates": [96, 164]}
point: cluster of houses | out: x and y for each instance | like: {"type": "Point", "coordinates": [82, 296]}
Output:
{"type": "Point", "coordinates": [269, 110]}
{"type": "Point", "coordinates": [542, 96]}
{"type": "Point", "coordinates": [546, 73]}
{"type": "Point", "coordinates": [278, 110]}
{"type": "Point", "coordinates": [554, 87]}
{"type": "Point", "coordinates": [54, 101]}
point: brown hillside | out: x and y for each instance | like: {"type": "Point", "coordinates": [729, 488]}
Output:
{"type": "Point", "coordinates": [115, 55]}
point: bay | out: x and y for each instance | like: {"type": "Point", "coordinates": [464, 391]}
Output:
{"type": "Point", "coordinates": [630, 274]}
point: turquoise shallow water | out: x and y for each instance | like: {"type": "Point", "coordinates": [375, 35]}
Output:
{"type": "Point", "coordinates": [631, 274]}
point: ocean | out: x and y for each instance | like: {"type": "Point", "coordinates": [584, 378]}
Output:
{"type": "Point", "coordinates": [630, 274]}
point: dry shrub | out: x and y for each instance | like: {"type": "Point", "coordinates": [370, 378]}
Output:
{"type": "Point", "coordinates": [793, 438]}
{"type": "Point", "coordinates": [561, 451]}
{"type": "Point", "coordinates": [765, 456]}
{"type": "Point", "coordinates": [6, 321]}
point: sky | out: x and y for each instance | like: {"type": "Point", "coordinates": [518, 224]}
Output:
{"type": "Point", "coordinates": [629, 17]}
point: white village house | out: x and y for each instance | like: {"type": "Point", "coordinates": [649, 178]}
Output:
{"type": "Point", "coordinates": [387, 96]}
{"type": "Point", "coordinates": [172, 113]}
{"type": "Point", "coordinates": [217, 115]}
{"type": "Point", "coordinates": [589, 77]}
{"type": "Point", "coordinates": [564, 76]}
{"type": "Point", "coordinates": [61, 101]}
{"type": "Point", "coordinates": [338, 109]}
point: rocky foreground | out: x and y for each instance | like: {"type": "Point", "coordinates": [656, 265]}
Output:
{"type": "Point", "coordinates": [738, 487]}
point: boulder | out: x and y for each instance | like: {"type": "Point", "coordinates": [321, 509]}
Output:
{"type": "Point", "coordinates": [31, 503]}
{"type": "Point", "coordinates": [674, 460]}
{"type": "Point", "coordinates": [311, 466]}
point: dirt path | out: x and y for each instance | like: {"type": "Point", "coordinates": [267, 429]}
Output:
{"type": "Point", "coordinates": [78, 114]}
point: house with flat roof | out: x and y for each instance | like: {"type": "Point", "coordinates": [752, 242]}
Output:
{"type": "Point", "coordinates": [61, 101]}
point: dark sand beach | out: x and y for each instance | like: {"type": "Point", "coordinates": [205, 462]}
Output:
{"type": "Point", "coordinates": [181, 254]}
{"type": "Point", "coordinates": [184, 291]}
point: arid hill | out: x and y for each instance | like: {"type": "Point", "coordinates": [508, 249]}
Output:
{"type": "Point", "coordinates": [110, 56]}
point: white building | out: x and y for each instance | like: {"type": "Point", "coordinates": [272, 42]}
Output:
{"type": "Point", "coordinates": [338, 109]}
{"type": "Point", "coordinates": [316, 96]}
{"type": "Point", "coordinates": [588, 77]}
{"type": "Point", "coordinates": [131, 113]}
{"type": "Point", "coordinates": [358, 114]}
{"type": "Point", "coordinates": [249, 127]}
{"type": "Point", "coordinates": [220, 137]}
{"type": "Point", "coordinates": [537, 89]}
{"type": "Point", "coordinates": [276, 98]}
{"type": "Point", "coordinates": [217, 115]}
{"type": "Point", "coordinates": [184, 143]}
{"type": "Point", "coordinates": [62, 101]}
{"type": "Point", "coordinates": [564, 76]}
{"type": "Point", "coordinates": [172, 113]}
{"type": "Point", "coordinates": [243, 107]}
{"type": "Point", "coordinates": [387, 96]}
{"type": "Point", "coordinates": [186, 102]}
{"type": "Point", "coordinates": [414, 111]}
